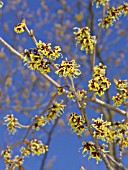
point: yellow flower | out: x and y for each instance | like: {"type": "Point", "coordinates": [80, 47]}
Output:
{"type": "Point", "coordinates": [89, 148]}
{"type": "Point", "coordinates": [37, 147]}
{"type": "Point", "coordinates": [55, 111]}
{"type": "Point", "coordinates": [100, 2]}
{"type": "Point", "coordinates": [70, 95]}
{"type": "Point", "coordinates": [84, 38]}
{"type": "Point", "coordinates": [18, 160]}
{"type": "Point", "coordinates": [7, 155]}
{"type": "Point", "coordinates": [99, 83]}
{"type": "Point", "coordinates": [77, 123]}
{"type": "Point", "coordinates": [39, 122]}
{"type": "Point", "coordinates": [124, 142]}
{"type": "Point", "coordinates": [20, 27]}
{"type": "Point", "coordinates": [122, 95]}
{"type": "Point", "coordinates": [68, 68]}
{"type": "Point", "coordinates": [45, 49]}
{"type": "Point", "coordinates": [60, 90]}
{"type": "Point", "coordinates": [101, 128]}
{"type": "Point", "coordinates": [35, 61]}
{"type": "Point", "coordinates": [11, 123]}
{"type": "Point", "coordinates": [113, 15]}
{"type": "Point", "coordinates": [25, 151]}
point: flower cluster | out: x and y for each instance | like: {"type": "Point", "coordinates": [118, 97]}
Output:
{"type": "Point", "coordinates": [68, 68]}
{"type": "Point", "coordinates": [77, 123]}
{"type": "Point", "coordinates": [19, 28]}
{"type": "Point", "coordinates": [60, 90]}
{"type": "Point", "coordinates": [81, 94]}
{"type": "Point", "coordinates": [84, 38]}
{"type": "Point", "coordinates": [25, 151]}
{"type": "Point", "coordinates": [45, 50]}
{"type": "Point", "coordinates": [124, 142]}
{"type": "Point", "coordinates": [11, 123]}
{"type": "Point", "coordinates": [120, 132]}
{"type": "Point", "coordinates": [113, 14]}
{"type": "Point", "coordinates": [39, 122]}
{"type": "Point", "coordinates": [11, 163]}
{"type": "Point", "coordinates": [35, 61]}
{"type": "Point", "coordinates": [100, 2]}
{"type": "Point", "coordinates": [7, 155]}
{"type": "Point", "coordinates": [122, 95]}
{"type": "Point", "coordinates": [55, 111]}
{"type": "Point", "coordinates": [89, 148]}
{"type": "Point", "coordinates": [99, 83]}
{"type": "Point", "coordinates": [38, 58]}
{"type": "Point", "coordinates": [116, 132]}
{"type": "Point", "coordinates": [101, 128]}
{"type": "Point", "coordinates": [35, 147]}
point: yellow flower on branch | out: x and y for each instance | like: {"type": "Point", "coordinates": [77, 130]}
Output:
{"type": "Point", "coordinates": [38, 122]}
{"type": "Point", "coordinates": [113, 15]}
{"type": "Point", "coordinates": [100, 2]}
{"type": "Point", "coordinates": [18, 160]}
{"type": "Point", "coordinates": [84, 38]}
{"type": "Point", "coordinates": [7, 155]}
{"type": "Point", "coordinates": [34, 147]}
{"type": "Point", "coordinates": [20, 27]}
{"type": "Point", "coordinates": [68, 68]}
{"type": "Point", "coordinates": [60, 90]}
{"type": "Point", "coordinates": [46, 50]}
{"type": "Point", "coordinates": [70, 95]}
{"type": "Point", "coordinates": [55, 111]}
{"type": "Point", "coordinates": [77, 123]}
{"type": "Point", "coordinates": [37, 147]}
{"type": "Point", "coordinates": [122, 95]}
{"type": "Point", "coordinates": [11, 123]}
{"type": "Point", "coordinates": [90, 149]}
{"type": "Point", "coordinates": [35, 61]}
{"type": "Point", "coordinates": [99, 83]}
{"type": "Point", "coordinates": [25, 151]}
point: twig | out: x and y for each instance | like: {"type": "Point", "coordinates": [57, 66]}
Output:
{"type": "Point", "coordinates": [30, 126]}
{"type": "Point", "coordinates": [12, 50]}
{"type": "Point", "coordinates": [116, 163]}
{"type": "Point", "coordinates": [103, 156]}
{"type": "Point", "coordinates": [102, 103]}
{"type": "Point", "coordinates": [48, 143]}
{"type": "Point", "coordinates": [31, 33]}
{"type": "Point", "coordinates": [99, 30]}
{"type": "Point", "coordinates": [48, 106]}
{"type": "Point", "coordinates": [98, 34]}
{"type": "Point", "coordinates": [106, 105]}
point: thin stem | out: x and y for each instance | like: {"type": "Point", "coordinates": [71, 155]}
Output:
{"type": "Point", "coordinates": [116, 163]}
{"type": "Point", "coordinates": [31, 32]}
{"type": "Point", "coordinates": [99, 30]}
{"type": "Point", "coordinates": [11, 49]}
{"type": "Point", "coordinates": [48, 106]}
{"type": "Point", "coordinates": [106, 105]}
{"type": "Point", "coordinates": [48, 143]}
{"type": "Point", "coordinates": [98, 101]}
{"type": "Point", "coordinates": [98, 34]}
{"type": "Point", "coordinates": [103, 156]}
{"type": "Point", "coordinates": [72, 82]}
{"type": "Point", "coordinates": [31, 125]}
